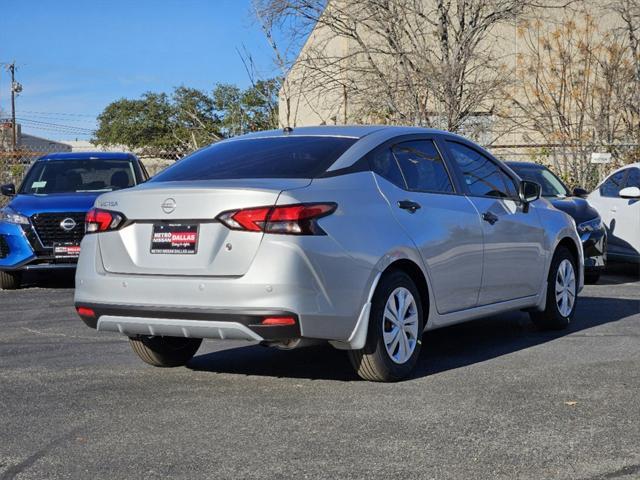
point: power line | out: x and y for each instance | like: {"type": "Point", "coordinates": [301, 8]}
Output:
{"type": "Point", "coordinates": [62, 114]}
{"type": "Point", "coordinates": [72, 127]}
{"type": "Point", "coordinates": [61, 131]}
{"type": "Point", "coordinates": [74, 120]}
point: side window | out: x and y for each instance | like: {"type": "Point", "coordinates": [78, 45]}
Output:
{"type": "Point", "coordinates": [614, 184]}
{"type": "Point", "coordinates": [422, 166]}
{"type": "Point", "coordinates": [633, 180]}
{"type": "Point", "coordinates": [482, 176]}
{"type": "Point", "coordinates": [384, 164]}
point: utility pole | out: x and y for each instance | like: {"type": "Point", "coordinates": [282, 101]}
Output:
{"type": "Point", "coordinates": [14, 87]}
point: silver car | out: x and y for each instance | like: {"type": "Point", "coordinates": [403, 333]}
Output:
{"type": "Point", "coordinates": [360, 236]}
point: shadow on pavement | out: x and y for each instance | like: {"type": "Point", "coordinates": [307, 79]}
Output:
{"type": "Point", "coordinates": [445, 349]}
{"type": "Point", "coordinates": [620, 273]}
{"type": "Point", "coordinates": [53, 279]}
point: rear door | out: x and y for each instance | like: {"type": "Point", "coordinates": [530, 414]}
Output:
{"type": "Point", "coordinates": [513, 238]}
{"type": "Point", "coordinates": [444, 225]}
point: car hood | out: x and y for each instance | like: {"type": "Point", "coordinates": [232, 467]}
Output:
{"type": "Point", "coordinates": [577, 207]}
{"type": "Point", "coordinates": [60, 202]}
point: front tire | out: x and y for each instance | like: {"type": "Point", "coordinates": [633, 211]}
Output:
{"type": "Point", "coordinates": [10, 280]}
{"type": "Point", "coordinates": [562, 293]}
{"type": "Point", "coordinates": [395, 330]}
{"type": "Point", "coordinates": [165, 351]}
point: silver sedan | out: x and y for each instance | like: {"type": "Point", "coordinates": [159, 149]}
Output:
{"type": "Point", "coordinates": [360, 236]}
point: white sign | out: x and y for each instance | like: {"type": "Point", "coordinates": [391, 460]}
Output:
{"type": "Point", "coordinates": [600, 157]}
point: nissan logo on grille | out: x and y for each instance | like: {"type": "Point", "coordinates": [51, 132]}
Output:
{"type": "Point", "coordinates": [68, 224]}
{"type": "Point", "coordinates": [169, 205]}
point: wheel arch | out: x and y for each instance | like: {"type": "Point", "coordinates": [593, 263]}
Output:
{"type": "Point", "coordinates": [416, 274]}
{"type": "Point", "coordinates": [358, 337]}
{"type": "Point", "coordinates": [570, 244]}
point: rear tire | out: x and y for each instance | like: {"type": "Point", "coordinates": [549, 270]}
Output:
{"type": "Point", "coordinates": [165, 351]}
{"type": "Point", "coordinates": [562, 293]}
{"type": "Point", "coordinates": [394, 337]}
{"type": "Point", "coordinates": [10, 280]}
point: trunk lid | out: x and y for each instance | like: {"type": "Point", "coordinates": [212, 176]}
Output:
{"type": "Point", "coordinates": [174, 205]}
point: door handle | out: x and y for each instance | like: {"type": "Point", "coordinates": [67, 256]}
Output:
{"type": "Point", "coordinates": [490, 217]}
{"type": "Point", "coordinates": [409, 205]}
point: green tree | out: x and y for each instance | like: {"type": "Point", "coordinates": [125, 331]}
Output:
{"type": "Point", "coordinates": [253, 109]}
{"type": "Point", "coordinates": [142, 123]}
{"type": "Point", "coordinates": [158, 123]}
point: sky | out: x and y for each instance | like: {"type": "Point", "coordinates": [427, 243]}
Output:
{"type": "Point", "coordinates": [74, 57]}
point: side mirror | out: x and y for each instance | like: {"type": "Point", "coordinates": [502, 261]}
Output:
{"type": "Point", "coordinates": [8, 190]}
{"type": "Point", "coordinates": [529, 191]}
{"type": "Point", "coordinates": [579, 192]}
{"type": "Point", "coordinates": [630, 192]}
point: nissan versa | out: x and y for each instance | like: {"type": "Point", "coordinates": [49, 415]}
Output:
{"type": "Point", "coordinates": [41, 227]}
{"type": "Point", "coordinates": [362, 236]}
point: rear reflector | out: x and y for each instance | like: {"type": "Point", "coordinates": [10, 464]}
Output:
{"type": "Point", "coordinates": [278, 321]}
{"type": "Point", "coordinates": [86, 312]}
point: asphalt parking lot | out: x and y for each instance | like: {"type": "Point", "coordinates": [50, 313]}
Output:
{"type": "Point", "coordinates": [491, 399]}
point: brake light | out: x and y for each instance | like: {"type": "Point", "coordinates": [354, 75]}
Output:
{"type": "Point", "coordinates": [299, 219]}
{"type": "Point", "coordinates": [98, 220]}
{"type": "Point", "coordinates": [252, 219]}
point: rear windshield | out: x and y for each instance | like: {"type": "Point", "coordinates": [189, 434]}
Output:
{"type": "Point", "coordinates": [69, 176]}
{"type": "Point", "coordinates": [276, 157]}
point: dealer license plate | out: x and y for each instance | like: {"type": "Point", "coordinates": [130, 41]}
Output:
{"type": "Point", "coordinates": [177, 239]}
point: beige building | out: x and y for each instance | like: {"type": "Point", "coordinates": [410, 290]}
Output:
{"type": "Point", "coordinates": [334, 79]}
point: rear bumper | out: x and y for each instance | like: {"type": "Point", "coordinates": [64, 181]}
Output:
{"type": "Point", "coordinates": [315, 282]}
{"type": "Point", "coordinates": [134, 320]}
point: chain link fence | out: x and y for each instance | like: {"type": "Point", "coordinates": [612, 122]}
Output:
{"type": "Point", "coordinates": [14, 164]}
{"type": "Point", "coordinates": [572, 164]}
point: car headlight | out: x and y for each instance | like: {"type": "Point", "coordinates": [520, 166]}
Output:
{"type": "Point", "coordinates": [9, 215]}
{"type": "Point", "coordinates": [590, 226]}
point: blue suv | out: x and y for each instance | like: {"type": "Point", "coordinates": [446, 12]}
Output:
{"type": "Point", "coordinates": [43, 224]}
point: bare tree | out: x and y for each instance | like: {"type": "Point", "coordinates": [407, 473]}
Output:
{"type": "Point", "coordinates": [629, 12]}
{"type": "Point", "coordinates": [420, 62]}
{"type": "Point", "coordinates": [574, 87]}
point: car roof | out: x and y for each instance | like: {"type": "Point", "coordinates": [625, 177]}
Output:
{"type": "Point", "coordinates": [88, 156]}
{"type": "Point", "coordinates": [350, 131]}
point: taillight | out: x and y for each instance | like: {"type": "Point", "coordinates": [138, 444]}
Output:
{"type": "Point", "coordinates": [98, 220]}
{"type": "Point", "coordinates": [300, 219]}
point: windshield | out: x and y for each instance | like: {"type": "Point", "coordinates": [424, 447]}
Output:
{"type": "Point", "coordinates": [271, 157]}
{"type": "Point", "coordinates": [551, 185]}
{"type": "Point", "coordinates": [70, 176]}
